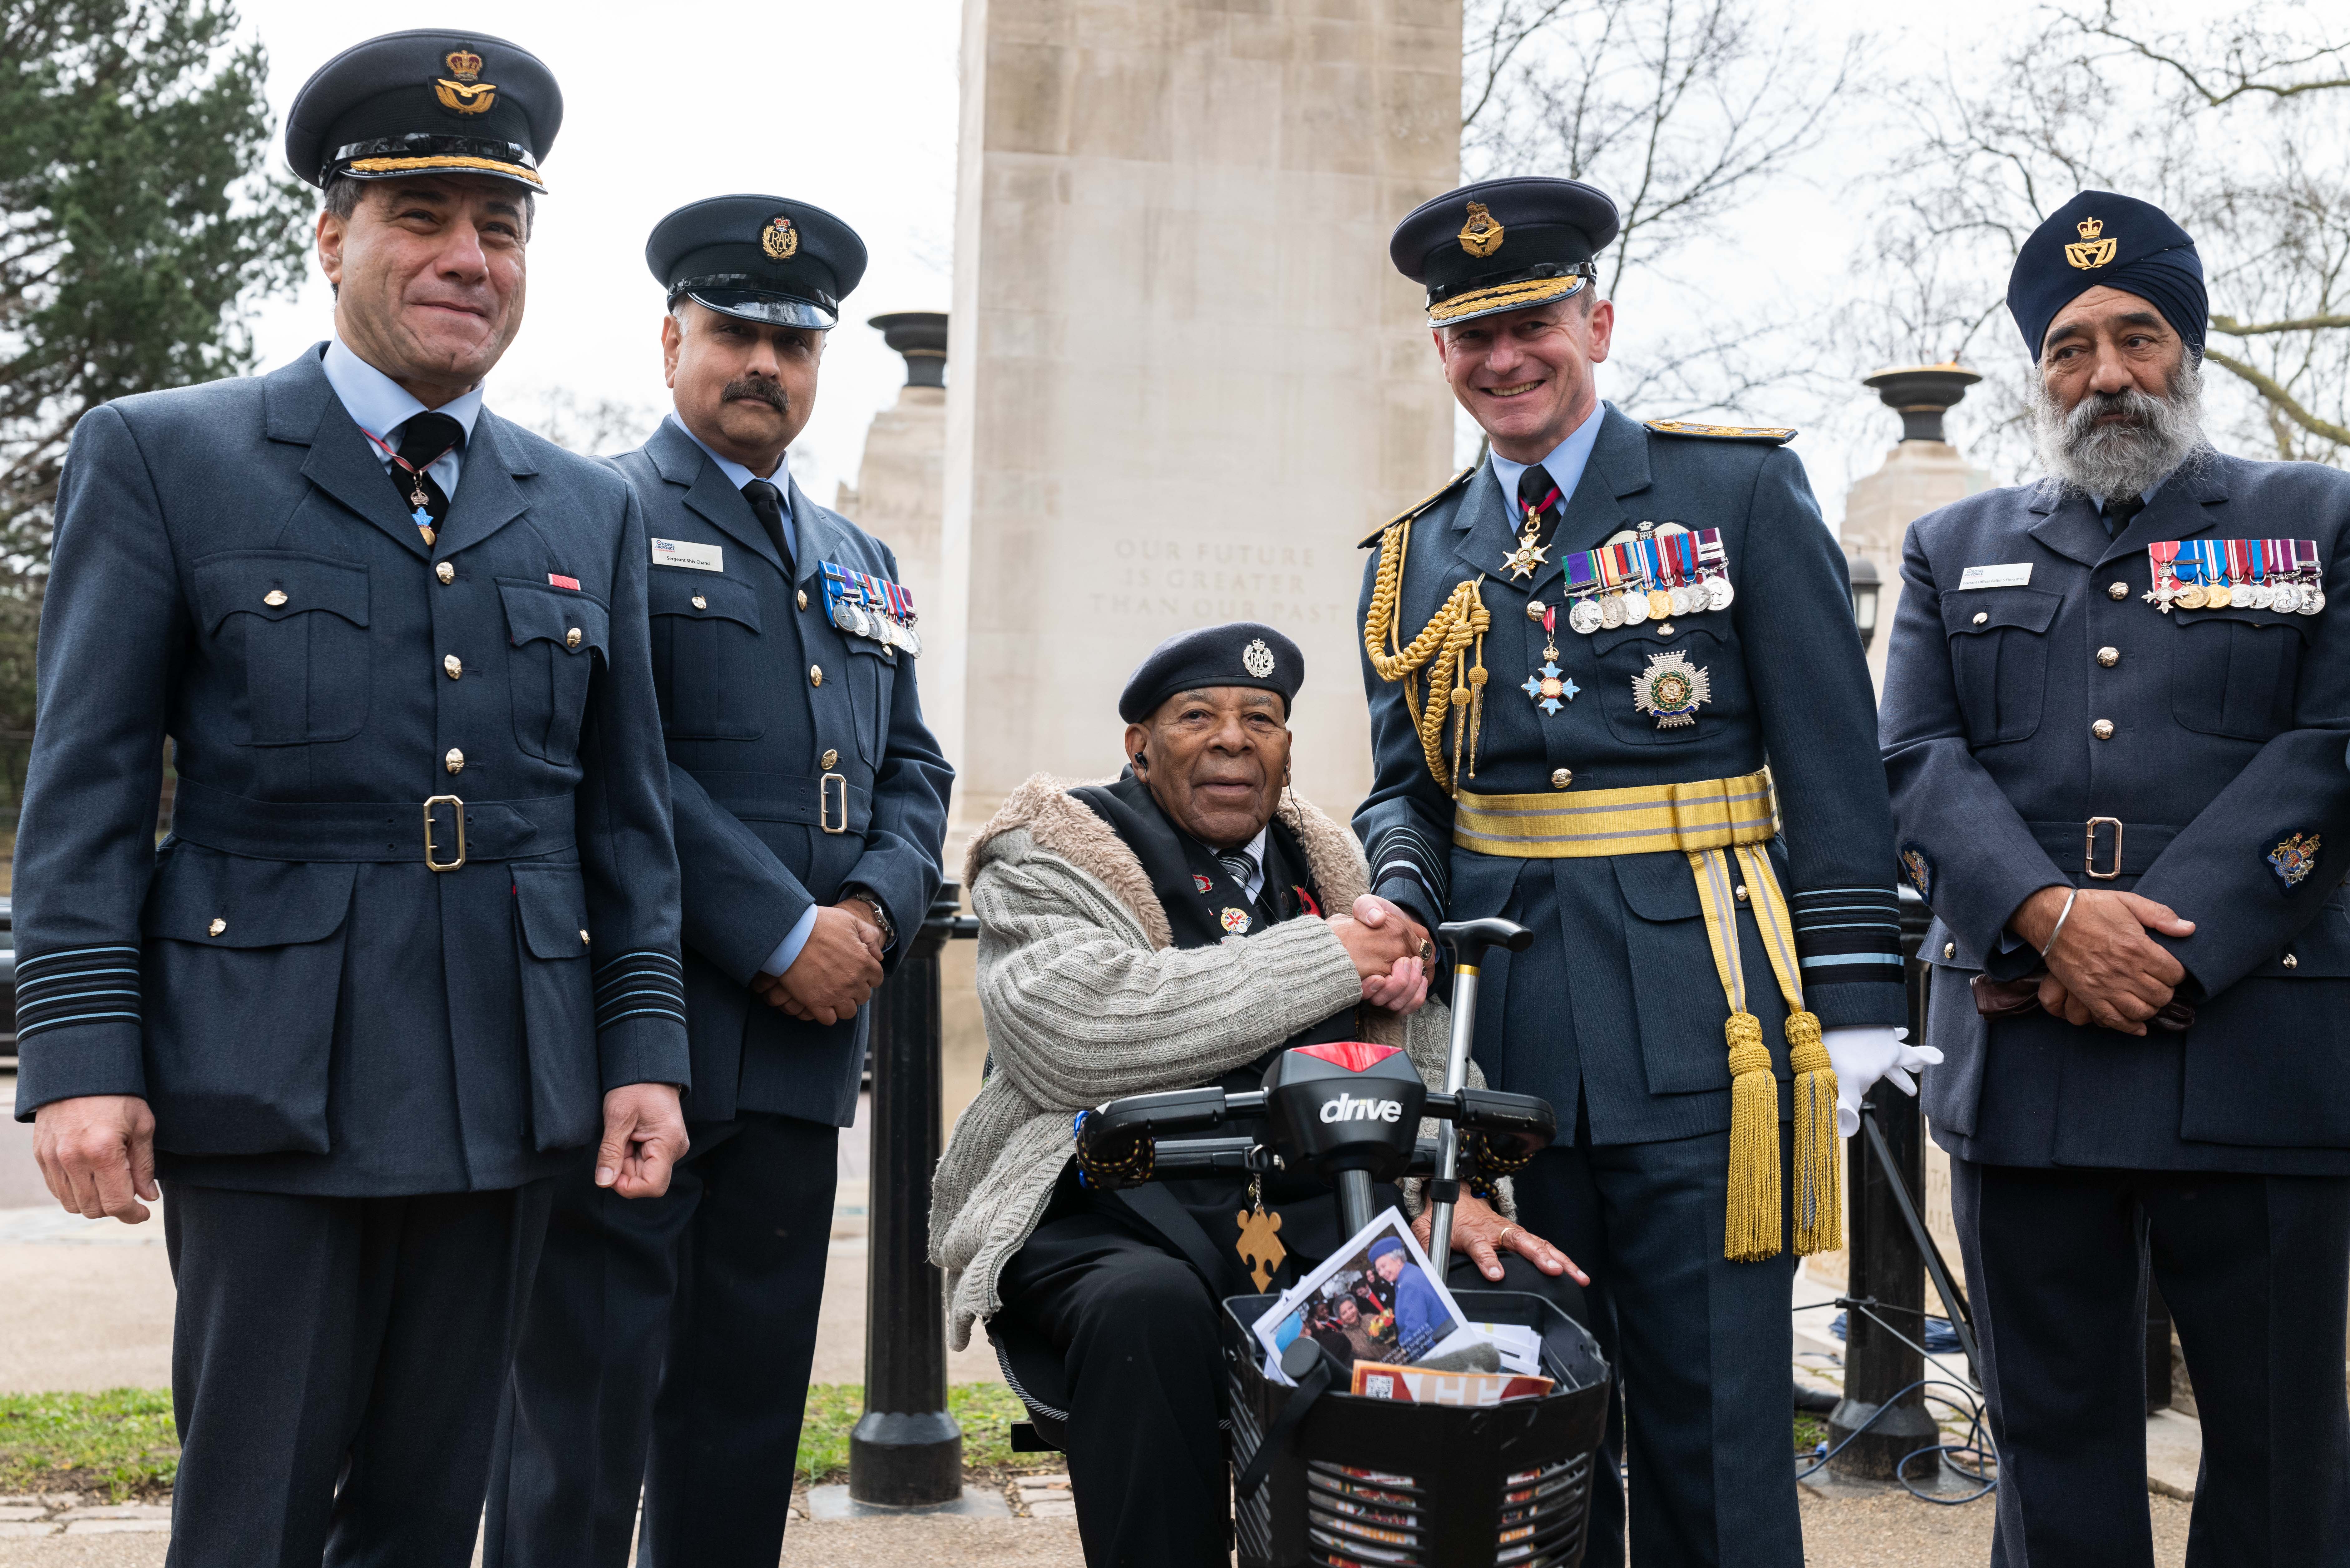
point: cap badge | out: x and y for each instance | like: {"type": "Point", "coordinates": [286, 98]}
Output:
{"type": "Point", "coordinates": [1257, 659]}
{"type": "Point", "coordinates": [2092, 252]}
{"type": "Point", "coordinates": [779, 239]}
{"type": "Point", "coordinates": [1481, 235]}
{"type": "Point", "coordinates": [468, 94]}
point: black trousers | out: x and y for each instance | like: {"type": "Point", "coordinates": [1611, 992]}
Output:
{"type": "Point", "coordinates": [2255, 1271]}
{"type": "Point", "coordinates": [1137, 1331]}
{"type": "Point", "coordinates": [336, 1365]}
{"type": "Point", "coordinates": [1701, 1348]}
{"type": "Point", "coordinates": [667, 1351]}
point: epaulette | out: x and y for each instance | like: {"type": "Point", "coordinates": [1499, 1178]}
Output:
{"type": "Point", "coordinates": [1777, 435]}
{"type": "Point", "coordinates": [1417, 507]}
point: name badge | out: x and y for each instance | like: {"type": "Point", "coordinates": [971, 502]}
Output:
{"type": "Point", "coordinates": [685, 553]}
{"type": "Point", "coordinates": [2014, 575]}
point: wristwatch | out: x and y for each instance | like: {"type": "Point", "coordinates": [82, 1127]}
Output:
{"type": "Point", "coordinates": [881, 914]}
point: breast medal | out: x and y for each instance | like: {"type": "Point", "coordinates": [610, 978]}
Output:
{"type": "Point", "coordinates": [1672, 689]}
{"type": "Point", "coordinates": [1546, 687]}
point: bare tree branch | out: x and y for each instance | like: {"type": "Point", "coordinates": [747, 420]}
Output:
{"type": "Point", "coordinates": [2278, 399]}
{"type": "Point", "coordinates": [2234, 328]}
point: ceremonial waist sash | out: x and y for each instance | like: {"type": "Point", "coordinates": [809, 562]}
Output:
{"type": "Point", "coordinates": [1716, 823]}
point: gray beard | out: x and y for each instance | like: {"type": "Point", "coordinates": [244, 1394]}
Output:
{"type": "Point", "coordinates": [2088, 459]}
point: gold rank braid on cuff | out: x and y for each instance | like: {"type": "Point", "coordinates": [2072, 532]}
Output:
{"type": "Point", "coordinates": [1451, 648]}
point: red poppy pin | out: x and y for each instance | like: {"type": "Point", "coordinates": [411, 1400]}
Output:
{"type": "Point", "coordinates": [1306, 898]}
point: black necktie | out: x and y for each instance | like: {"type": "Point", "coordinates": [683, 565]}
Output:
{"type": "Point", "coordinates": [2119, 510]}
{"type": "Point", "coordinates": [1537, 492]}
{"type": "Point", "coordinates": [424, 440]}
{"type": "Point", "coordinates": [768, 503]}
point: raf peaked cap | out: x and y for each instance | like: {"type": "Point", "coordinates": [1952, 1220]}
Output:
{"type": "Point", "coordinates": [1502, 245]}
{"type": "Point", "coordinates": [2100, 239]}
{"type": "Point", "coordinates": [433, 101]}
{"type": "Point", "coordinates": [762, 258]}
{"type": "Point", "coordinates": [1242, 653]}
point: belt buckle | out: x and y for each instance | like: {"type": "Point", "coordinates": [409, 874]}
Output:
{"type": "Point", "coordinates": [457, 807]}
{"type": "Point", "coordinates": [2089, 848]}
{"type": "Point", "coordinates": [824, 793]}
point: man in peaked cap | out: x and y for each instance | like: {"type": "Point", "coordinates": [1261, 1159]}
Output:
{"type": "Point", "coordinates": [2114, 717]}
{"type": "Point", "coordinates": [1580, 654]}
{"type": "Point", "coordinates": [413, 941]}
{"type": "Point", "coordinates": [667, 1346]}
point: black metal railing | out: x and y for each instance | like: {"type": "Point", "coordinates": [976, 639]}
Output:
{"type": "Point", "coordinates": [907, 1449]}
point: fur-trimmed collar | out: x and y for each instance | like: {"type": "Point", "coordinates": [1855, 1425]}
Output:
{"type": "Point", "coordinates": [1068, 829]}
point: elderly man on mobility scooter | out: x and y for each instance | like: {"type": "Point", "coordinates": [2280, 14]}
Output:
{"type": "Point", "coordinates": [1175, 928]}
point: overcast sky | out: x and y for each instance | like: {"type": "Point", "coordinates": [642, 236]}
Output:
{"type": "Point", "coordinates": [854, 108]}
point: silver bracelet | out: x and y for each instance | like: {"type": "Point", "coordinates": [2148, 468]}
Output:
{"type": "Point", "coordinates": [2070, 895]}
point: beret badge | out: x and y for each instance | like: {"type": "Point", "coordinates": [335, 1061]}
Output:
{"type": "Point", "coordinates": [2091, 252]}
{"type": "Point", "coordinates": [1257, 659]}
{"type": "Point", "coordinates": [468, 94]}
{"type": "Point", "coordinates": [1481, 235]}
{"type": "Point", "coordinates": [779, 239]}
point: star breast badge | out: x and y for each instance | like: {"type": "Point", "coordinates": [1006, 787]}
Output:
{"type": "Point", "coordinates": [1549, 688]}
{"type": "Point", "coordinates": [1672, 689]}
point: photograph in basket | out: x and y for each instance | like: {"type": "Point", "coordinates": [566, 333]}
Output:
{"type": "Point", "coordinates": [1375, 1299]}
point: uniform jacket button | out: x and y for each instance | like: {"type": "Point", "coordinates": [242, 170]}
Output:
{"type": "Point", "coordinates": [1561, 777]}
{"type": "Point", "coordinates": [1739, 892]}
{"type": "Point", "coordinates": [454, 665]}
{"type": "Point", "coordinates": [1949, 950]}
{"type": "Point", "coordinates": [274, 598]}
{"type": "Point", "coordinates": [2291, 962]}
{"type": "Point", "coordinates": [584, 941]}
{"type": "Point", "coordinates": [827, 760]}
{"type": "Point", "coordinates": [454, 762]}
{"type": "Point", "coordinates": [815, 674]}
{"type": "Point", "coordinates": [2118, 591]}
{"type": "Point", "coordinates": [216, 928]}
{"type": "Point", "coordinates": [445, 572]}
{"type": "Point", "coordinates": [1665, 629]}
{"type": "Point", "coordinates": [803, 598]}
{"type": "Point", "coordinates": [1982, 615]}
{"type": "Point", "coordinates": [1534, 609]}
{"type": "Point", "coordinates": [700, 602]}
{"type": "Point", "coordinates": [2109, 656]}
{"type": "Point", "coordinates": [2103, 729]}
{"type": "Point", "coordinates": [571, 638]}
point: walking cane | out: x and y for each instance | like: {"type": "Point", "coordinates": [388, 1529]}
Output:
{"type": "Point", "coordinates": [1468, 939]}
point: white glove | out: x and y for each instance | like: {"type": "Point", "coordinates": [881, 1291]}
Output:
{"type": "Point", "coordinates": [1864, 1055]}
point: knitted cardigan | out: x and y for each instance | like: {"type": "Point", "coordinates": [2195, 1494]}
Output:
{"type": "Point", "coordinates": [1087, 999]}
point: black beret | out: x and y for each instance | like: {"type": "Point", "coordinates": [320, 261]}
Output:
{"type": "Point", "coordinates": [1239, 653]}
{"type": "Point", "coordinates": [1503, 245]}
{"type": "Point", "coordinates": [762, 258]}
{"type": "Point", "coordinates": [431, 101]}
{"type": "Point", "coordinates": [2100, 239]}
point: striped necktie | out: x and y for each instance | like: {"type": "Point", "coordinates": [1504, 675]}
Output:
{"type": "Point", "coordinates": [1239, 865]}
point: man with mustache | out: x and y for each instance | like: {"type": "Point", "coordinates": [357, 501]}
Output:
{"type": "Point", "coordinates": [667, 1346]}
{"type": "Point", "coordinates": [2114, 719]}
{"type": "Point", "coordinates": [1580, 655]}
{"type": "Point", "coordinates": [413, 937]}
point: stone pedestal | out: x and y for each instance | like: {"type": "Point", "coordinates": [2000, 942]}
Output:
{"type": "Point", "coordinates": [901, 486]}
{"type": "Point", "coordinates": [1921, 473]}
{"type": "Point", "coordinates": [1187, 379]}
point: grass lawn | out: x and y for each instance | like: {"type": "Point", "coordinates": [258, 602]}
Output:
{"type": "Point", "coordinates": [122, 1442]}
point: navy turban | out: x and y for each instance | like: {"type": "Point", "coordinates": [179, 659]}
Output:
{"type": "Point", "coordinates": [2100, 239]}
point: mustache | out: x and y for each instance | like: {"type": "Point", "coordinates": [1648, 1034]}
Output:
{"type": "Point", "coordinates": [767, 391]}
{"type": "Point", "coordinates": [2153, 434]}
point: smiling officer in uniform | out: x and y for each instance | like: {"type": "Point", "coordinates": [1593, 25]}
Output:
{"type": "Point", "coordinates": [354, 1022]}
{"type": "Point", "coordinates": [670, 1343]}
{"type": "Point", "coordinates": [2114, 719]}
{"type": "Point", "coordinates": [1580, 654]}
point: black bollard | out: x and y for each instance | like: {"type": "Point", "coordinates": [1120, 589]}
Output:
{"type": "Point", "coordinates": [1886, 1271]}
{"type": "Point", "coordinates": [907, 1451]}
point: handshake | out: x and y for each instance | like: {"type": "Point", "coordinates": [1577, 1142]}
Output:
{"type": "Point", "coordinates": [1391, 952]}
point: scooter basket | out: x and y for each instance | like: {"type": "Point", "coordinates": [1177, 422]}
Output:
{"type": "Point", "coordinates": [1375, 1483]}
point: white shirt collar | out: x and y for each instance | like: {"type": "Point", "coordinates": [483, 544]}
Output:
{"type": "Point", "coordinates": [380, 405]}
{"type": "Point", "coordinates": [1564, 464]}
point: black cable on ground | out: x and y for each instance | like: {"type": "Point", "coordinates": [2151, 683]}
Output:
{"type": "Point", "coordinates": [1976, 1447]}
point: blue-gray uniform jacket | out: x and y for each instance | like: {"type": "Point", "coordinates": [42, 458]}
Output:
{"type": "Point", "coordinates": [2228, 731]}
{"type": "Point", "coordinates": [752, 734]}
{"type": "Point", "coordinates": [1617, 1005]}
{"type": "Point", "coordinates": [306, 1003]}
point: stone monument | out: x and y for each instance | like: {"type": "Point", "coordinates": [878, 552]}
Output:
{"type": "Point", "coordinates": [1922, 472]}
{"type": "Point", "coordinates": [1187, 380]}
{"type": "Point", "coordinates": [900, 486]}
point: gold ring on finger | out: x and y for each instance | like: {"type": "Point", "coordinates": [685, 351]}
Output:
{"type": "Point", "coordinates": [1505, 1235]}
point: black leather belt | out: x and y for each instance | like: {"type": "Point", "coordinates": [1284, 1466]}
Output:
{"type": "Point", "coordinates": [443, 832]}
{"type": "Point", "coordinates": [826, 801]}
{"type": "Point", "coordinates": [2106, 849]}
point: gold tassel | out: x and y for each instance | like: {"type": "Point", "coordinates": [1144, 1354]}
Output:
{"type": "Point", "coordinates": [1819, 1185]}
{"type": "Point", "coordinates": [1751, 1232]}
